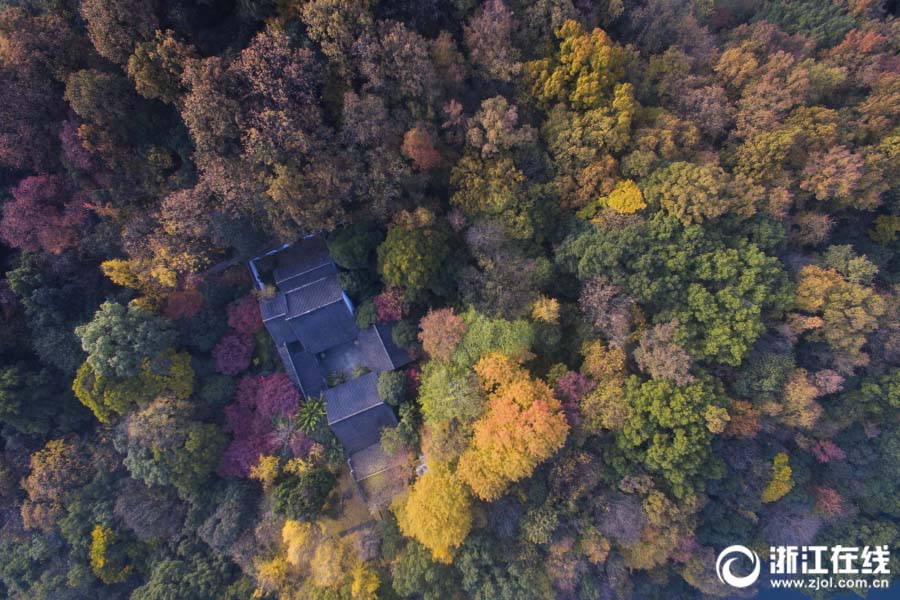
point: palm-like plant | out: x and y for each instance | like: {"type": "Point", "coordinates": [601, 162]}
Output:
{"type": "Point", "coordinates": [309, 417]}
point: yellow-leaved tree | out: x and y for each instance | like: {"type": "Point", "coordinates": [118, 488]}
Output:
{"type": "Point", "coordinates": [437, 512]}
{"type": "Point", "coordinates": [626, 198]}
{"type": "Point", "coordinates": [781, 483]}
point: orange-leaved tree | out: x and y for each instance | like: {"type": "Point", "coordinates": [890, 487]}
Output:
{"type": "Point", "coordinates": [523, 426]}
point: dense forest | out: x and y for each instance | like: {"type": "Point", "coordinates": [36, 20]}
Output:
{"type": "Point", "coordinates": [644, 254]}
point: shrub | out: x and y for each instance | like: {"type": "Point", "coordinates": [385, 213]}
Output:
{"type": "Point", "coordinates": [392, 387]}
{"type": "Point", "coordinates": [404, 333]}
{"type": "Point", "coordinates": [301, 497]}
{"type": "Point", "coordinates": [365, 314]}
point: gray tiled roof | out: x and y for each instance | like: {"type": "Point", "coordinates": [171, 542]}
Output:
{"type": "Point", "coordinates": [273, 307]}
{"type": "Point", "coordinates": [306, 255]}
{"type": "Point", "coordinates": [350, 398]}
{"type": "Point", "coordinates": [302, 279]}
{"type": "Point", "coordinates": [373, 352]}
{"type": "Point", "coordinates": [306, 369]}
{"type": "Point", "coordinates": [379, 351]}
{"type": "Point", "coordinates": [312, 296]}
{"type": "Point", "coordinates": [398, 356]}
{"type": "Point", "coordinates": [364, 429]}
{"type": "Point", "coordinates": [325, 328]}
{"type": "Point", "coordinates": [314, 329]}
{"type": "Point", "coordinates": [373, 460]}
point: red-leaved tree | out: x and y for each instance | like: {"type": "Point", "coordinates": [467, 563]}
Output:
{"type": "Point", "coordinates": [244, 316]}
{"type": "Point", "coordinates": [390, 305]}
{"type": "Point", "coordinates": [73, 149]}
{"type": "Point", "coordinates": [184, 304]}
{"type": "Point", "coordinates": [46, 213]}
{"type": "Point", "coordinates": [570, 388]}
{"type": "Point", "coordinates": [232, 353]}
{"type": "Point", "coordinates": [260, 403]}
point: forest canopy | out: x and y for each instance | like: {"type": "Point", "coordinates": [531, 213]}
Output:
{"type": "Point", "coordinates": [643, 256]}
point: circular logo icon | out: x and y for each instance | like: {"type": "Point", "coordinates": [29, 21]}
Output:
{"type": "Point", "coordinates": [727, 558]}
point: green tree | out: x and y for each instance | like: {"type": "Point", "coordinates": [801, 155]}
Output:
{"type": "Point", "coordinates": [489, 573]}
{"type": "Point", "coordinates": [449, 392]}
{"type": "Point", "coordinates": [415, 259]}
{"type": "Point", "coordinates": [668, 432]}
{"type": "Point", "coordinates": [118, 340]}
{"type": "Point", "coordinates": [690, 193]}
{"type": "Point", "coordinates": [197, 576]}
{"type": "Point", "coordinates": [108, 397]}
{"type": "Point", "coordinates": [29, 401]}
{"type": "Point", "coordinates": [300, 497]}
{"type": "Point", "coordinates": [495, 189]}
{"type": "Point", "coordinates": [163, 445]}
{"type": "Point", "coordinates": [392, 387]}
{"type": "Point", "coordinates": [484, 335]}
{"type": "Point", "coordinates": [414, 573]}
{"type": "Point", "coordinates": [719, 292]}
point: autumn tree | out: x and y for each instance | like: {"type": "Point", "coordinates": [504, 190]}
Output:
{"type": "Point", "coordinates": [583, 73]}
{"type": "Point", "coordinates": [607, 308]}
{"type": "Point", "coordinates": [108, 560]}
{"type": "Point", "coordinates": [848, 311]}
{"type": "Point", "coordinates": [495, 128]}
{"type": "Point", "coordinates": [626, 198]}
{"type": "Point", "coordinates": [601, 408]}
{"type": "Point", "coordinates": [437, 512]}
{"type": "Point", "coordinates": [116, 27]}
{"type": "Point", "coordinates": [418, 146]}
{"type": "Point", "coordinates": [45, 213]}
{"type": "Point", "coordinates": [39, 49]}
{"type": "Point", "coordinates": [440, 332]}
{"type": "Point", "coordinates": [335, 25]}
{"type": "Point", "coordinates": [111, 396]}
{"type": "Point", "coordinates": [395, 64]}
{"type": "Point", "coordinates": [258, 402]}
{"type": "Point", "coordinates": [494, 189]}
{"type": "Point", "coordinates": [781, 482]}
{"type": "Point", "coordinates": [797, 407]}
{"type": "Point", "coordinates": [157, 65]}
{"type": "Point", "coordinates": [232, 353]}
{"type": "Point", "coordinates": [546, 310]}
{"type": "Point", "coordinates": [507, 277]}
{"type": "Point", "coordinates": [691, 193]}
{"type": "Point", "coordinates": [55, 470]}
{"type": "Point", "coordinates": [660, 355]}
{"type": "Point", "coordinates": [522, 427]}
{"type": "Point", "coordinates": [488, 37]}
